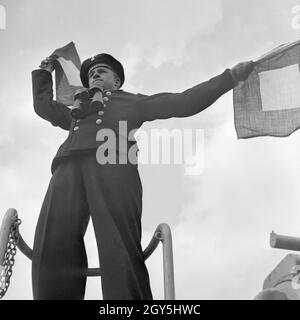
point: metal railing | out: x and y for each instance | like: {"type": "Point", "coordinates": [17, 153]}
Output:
{"type": "Point", "coordinates": [162, 234]}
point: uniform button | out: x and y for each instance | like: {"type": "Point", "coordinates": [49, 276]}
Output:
{"type": "Point", "coordinates": [108, 93]}
{"type": "Point", "coordinates": [100, 113]}
{"type": "Point", "coordinates": [105, 99]}
{"type": "Point", "coordinates": [98, 121]}
{"type": "Point", "coordinates": [77, 120]}
{"type": "Point", "coordinates": [104, 105]}
{"type": "Point", "coordinates": [76, 128]}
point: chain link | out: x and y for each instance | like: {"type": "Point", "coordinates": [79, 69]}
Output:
{"type": "Point", "coordinates": [9, 259]}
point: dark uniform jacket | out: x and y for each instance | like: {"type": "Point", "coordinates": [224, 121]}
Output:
{"type": "Point", "coordinates": [120, 105]}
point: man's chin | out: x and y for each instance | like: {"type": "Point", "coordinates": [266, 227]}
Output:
{"type": "Point", "coordinates": [97, 84]}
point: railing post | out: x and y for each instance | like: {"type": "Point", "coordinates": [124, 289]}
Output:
{"type": "Point", "coordinates": [166, 237]}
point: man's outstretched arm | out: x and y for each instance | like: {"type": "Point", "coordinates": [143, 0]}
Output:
{"type": "Point", "coordinates": [44, 105]}
{"type": "Point", "coordinates": [193, 100]}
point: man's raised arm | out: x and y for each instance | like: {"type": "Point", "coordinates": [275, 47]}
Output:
{"type": "Point", "coordinates": [44, 105]}
{"type": "Point", "coordinates": [193, 100]}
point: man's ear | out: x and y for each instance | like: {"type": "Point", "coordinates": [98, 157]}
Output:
{"type": "Point", "coordinates": [117, 81]}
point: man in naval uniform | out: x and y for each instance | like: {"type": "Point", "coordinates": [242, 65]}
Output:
{"type": "Point", "coordinates": [111, 194]}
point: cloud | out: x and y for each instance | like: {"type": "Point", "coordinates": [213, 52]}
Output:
{"type": "Point", "coordinates": [224, 227]}
{"type": "Point", "coordinates": [175, 24]}
{"type": "Point", "coordinates": [165, 29]}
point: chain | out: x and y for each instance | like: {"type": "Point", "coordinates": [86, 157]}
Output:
{"type": "Point", "coordinates": [9, 259]}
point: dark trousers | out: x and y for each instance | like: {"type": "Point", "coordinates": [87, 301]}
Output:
{"type": "Point", "coordinates": [112, 196]}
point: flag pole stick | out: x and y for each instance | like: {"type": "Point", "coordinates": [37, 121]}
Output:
{"type": "Point", "coordinates": [277, 51]}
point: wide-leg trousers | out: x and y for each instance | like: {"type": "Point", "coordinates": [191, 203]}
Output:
{"type": "Point", "coordinates": [112, 195]}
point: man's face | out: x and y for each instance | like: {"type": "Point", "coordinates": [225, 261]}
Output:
{"type": "Point", "coordinates": [102, 77]}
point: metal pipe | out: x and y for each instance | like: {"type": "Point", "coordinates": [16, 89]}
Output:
{"type": "Point", "coordinates": [93, 272]}
{"type": "Point", "coordinates": [284, 242]}
{"type": "Point", "coordinates": [166, 238]}
{"type": "Point", "coordinates": [152, 245]}
{"type": "Point", "coordinates": [24, 248]}
{"type": "Point", "coordinates": [163, 234]}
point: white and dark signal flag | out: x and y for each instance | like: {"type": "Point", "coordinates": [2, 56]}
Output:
{"type": "Point", "coordinates": [268, 102]}
{"type": "Point", "coordinates": [67, 73]}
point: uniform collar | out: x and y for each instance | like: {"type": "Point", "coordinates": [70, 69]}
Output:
{"type": "Point", "coordinates": [110, 90]}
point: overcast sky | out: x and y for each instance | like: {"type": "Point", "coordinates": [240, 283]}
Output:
{"type": "Point", "coordinates": [220, 219]}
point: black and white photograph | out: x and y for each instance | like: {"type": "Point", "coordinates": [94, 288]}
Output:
{"type": "Point", "coordinates": [149, 150]}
